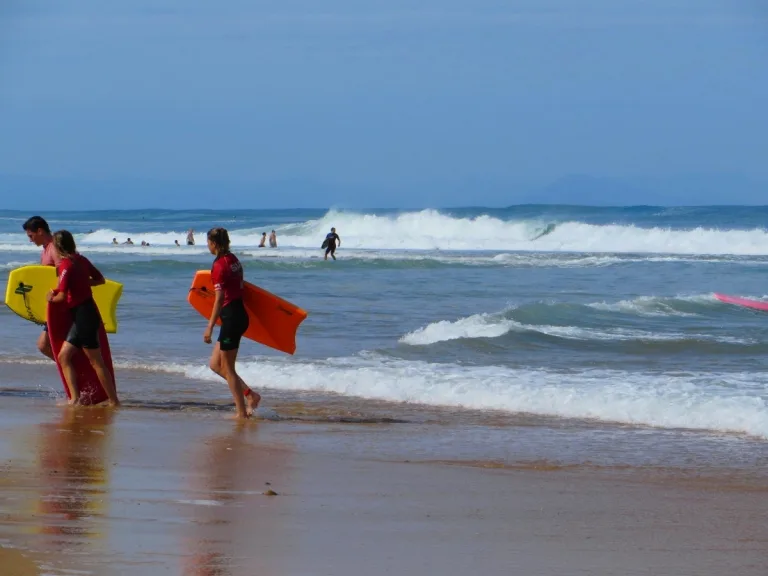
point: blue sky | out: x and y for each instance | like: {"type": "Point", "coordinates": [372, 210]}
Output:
{"type": "Point", "coordinates": [424, 102]}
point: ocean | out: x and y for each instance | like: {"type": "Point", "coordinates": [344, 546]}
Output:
{"type": "Point", "coordinates": [597, 319]}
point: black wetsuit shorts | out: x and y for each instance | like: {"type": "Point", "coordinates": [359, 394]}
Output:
{"type": "Point", "coordinates": [234, 323]}
{"type": "Point", "coordinates": [84, 332]}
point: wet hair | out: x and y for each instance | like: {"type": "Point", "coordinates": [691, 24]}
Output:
{"type": "Point", "coordinates": [36, 223]}
{"type": "Point", "coordinates": [220, 238]}
{"type": "Point", "coordinates": [64, 243]}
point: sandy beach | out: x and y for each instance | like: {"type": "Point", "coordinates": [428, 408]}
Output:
{"type": "Point", "coordinates": [144, 491]}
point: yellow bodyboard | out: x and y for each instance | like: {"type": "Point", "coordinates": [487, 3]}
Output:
{"type": "Point", "coordinates": [28, 285]}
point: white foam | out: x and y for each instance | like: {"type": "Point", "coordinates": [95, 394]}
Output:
{"type": "Point", "coordinates": [728, 402]}
{"type": "Point", "coordinates": [476, 326]}
{"type": "Point", "coordinates": [559, 260]}
{"type": "Point", "coordinates": [725, 402]}
{"type": "Point", "coordinates": [13, 265]}
{"type": "Point", "coordinates": [431, 230]}
{"type": "Point", "coordinates": [653, 305]}
{"type": "Point", "coordinates": [18, 247]}
{"type": "Point", "coordinates": [499, 324]}
{"type": "Point", "coordinates": [624, 334]}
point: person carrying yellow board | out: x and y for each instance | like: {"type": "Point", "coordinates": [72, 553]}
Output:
{"type": "Point", "coordinates": [39, 233]}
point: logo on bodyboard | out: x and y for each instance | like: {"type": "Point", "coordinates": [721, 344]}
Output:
{"type": "Point", "coordinates": [23, 289]}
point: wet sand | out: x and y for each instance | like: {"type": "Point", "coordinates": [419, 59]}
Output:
{"type": "Point", "coordinates": [174, 492]}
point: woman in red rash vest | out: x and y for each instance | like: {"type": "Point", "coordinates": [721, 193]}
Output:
{"type": "Point", "coordinates": [227, 277]}
{"type": "Point", "coordinates": [76, 276]}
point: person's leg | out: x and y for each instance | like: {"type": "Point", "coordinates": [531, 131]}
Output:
{"type": "Point", "coordinates": [66, 356]}
{"type": "Point", "coordinates": [227, 360]}
{"type": "Point", "coordinates": [216, 364]}
{"type": "Point", "coordinates": [105, 378]}
{"type": "Point", "coordinates": [44, 345]}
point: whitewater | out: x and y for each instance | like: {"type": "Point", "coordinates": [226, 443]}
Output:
{"type": "Point", "coordinates": [433, 230]}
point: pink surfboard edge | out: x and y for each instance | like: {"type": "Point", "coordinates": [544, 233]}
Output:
{"type": "Point", "coordinates": [746, 302]}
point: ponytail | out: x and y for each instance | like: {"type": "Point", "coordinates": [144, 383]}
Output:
{"type": "Point", "coordinates": [220, 239]}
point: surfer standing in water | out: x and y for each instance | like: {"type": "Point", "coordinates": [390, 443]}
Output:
{"type": "Point", "coordinates": [39, 233]}
{"type": "Point", "coordinates": [227, 278]}
{"type": "Point", "coordinates": [76, 276]}
{"type": "Point", "coordinates": [332, 240]}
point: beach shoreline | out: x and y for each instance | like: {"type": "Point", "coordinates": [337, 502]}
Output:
{"type": "Point", "coordinates": [172, 492]}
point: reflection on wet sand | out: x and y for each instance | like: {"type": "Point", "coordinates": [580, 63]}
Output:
{"type": "Point", "coordinates": [15, 563]}
{"type": "Point", "coordinates": [231, 526]}
{"type": "Point", "coordinates": [73, 477]}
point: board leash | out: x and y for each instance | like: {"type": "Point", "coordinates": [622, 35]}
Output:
{"type": "Point", "coordinates": [23, 290]}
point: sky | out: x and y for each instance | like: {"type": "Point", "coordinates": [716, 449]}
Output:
{"type": "Point", "coordinates": [300, 103]}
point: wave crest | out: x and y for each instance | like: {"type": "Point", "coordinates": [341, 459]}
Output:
{"type": "Point", "coordinates": [432, 230]}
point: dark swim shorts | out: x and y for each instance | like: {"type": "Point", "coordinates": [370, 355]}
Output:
{"type": "Point", "coordinates": [234, 323]}
{"type": "Point", "coordinates": [84, 332]}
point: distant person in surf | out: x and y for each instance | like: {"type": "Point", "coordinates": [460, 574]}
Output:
{"type": "Point", "coordinates": [76, 276]}
{"type": "Point", "coordinates": [263, 243]}
{"type": "Point", "coordinates": [39, 233]}
{"type": "Point", "coordinates": [129, 242]}
{"type": "Point", "coordinates": [332, 240]}
{"type": "Point", "coordinates": [273, 239]}
{"type": "Point", "coordinates": [191, 237]}
{"type": "Point", "coordinates": [114, 241]}
{"type": "Point", "coordinates": [177, 243]}
{"type": "Point", "coordinates": [228, 284]}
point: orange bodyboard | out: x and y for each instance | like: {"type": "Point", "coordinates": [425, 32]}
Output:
{"type": "Point", "coordinates": [273, 321]}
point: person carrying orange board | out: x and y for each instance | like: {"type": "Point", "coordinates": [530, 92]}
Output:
{"type": "Point", "coordinates": [228, 283]}
{"type": "Point", "coordinates": [76, 276]}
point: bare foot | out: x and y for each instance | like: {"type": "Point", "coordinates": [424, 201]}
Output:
{"type": "Point", "coordinates": [253, 400]}
{"type": "Point", "coordinates": [74, 401]}
{"type": "Point", "coordinates": [238, 416]}
{"type": "Point", "coordinates": [113, 403]}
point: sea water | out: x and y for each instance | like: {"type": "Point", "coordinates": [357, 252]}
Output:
{"type": "Point", "coordinates": [605, 315]}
